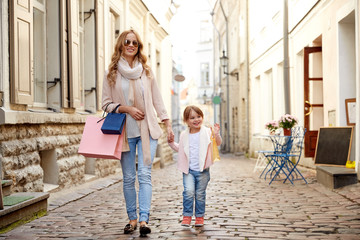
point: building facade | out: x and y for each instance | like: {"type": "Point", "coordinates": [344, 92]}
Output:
{"type": "Point", "coordinates": [323, 69]}
{"type": "Point", "coordinates": [192, 38]}
{"type": "Point", "coordinates": [53, 58]}
{"type": "Point", "coordinates": [230, 43]}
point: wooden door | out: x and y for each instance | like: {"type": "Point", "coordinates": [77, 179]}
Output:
{"type": "Point", "coordinates": [21, 52]}
{"type": "Point", "coordinates": [311, 106]}
{"type": "Point", "coordinates": [100, 50]}
{"type": "Point", "coordinates": [74, 53]}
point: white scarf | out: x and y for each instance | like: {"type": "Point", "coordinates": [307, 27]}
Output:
{"type": "Point", "coordinates": [136, 97]}
{"type": "Point", "coordinates": [128, 72]}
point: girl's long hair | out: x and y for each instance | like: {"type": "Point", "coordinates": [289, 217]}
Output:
{"type": "Point", "coordinates": [119, 46]}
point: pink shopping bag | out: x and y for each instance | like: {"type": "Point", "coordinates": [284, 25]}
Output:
{"type": "Point", "coordinates": [95, 144]}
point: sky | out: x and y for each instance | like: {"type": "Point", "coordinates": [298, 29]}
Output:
{"type": "Point", "coordinates": [184, 31]}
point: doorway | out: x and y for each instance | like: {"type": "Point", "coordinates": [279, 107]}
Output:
{"type": "Point", "coordinates": [313, 97]}
{"type": "Point", "coordinates": [347, 70]}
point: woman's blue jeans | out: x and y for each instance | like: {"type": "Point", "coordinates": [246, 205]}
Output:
{"type": "Point", "coordinates": [195, 184]}
{"type": "Point", "coordinates": [128, 166]}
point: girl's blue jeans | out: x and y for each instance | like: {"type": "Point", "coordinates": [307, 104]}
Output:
{"type": "Point", "coordinates": [195, 184]}
{"type": "Point", "coordinates": [128, 166]}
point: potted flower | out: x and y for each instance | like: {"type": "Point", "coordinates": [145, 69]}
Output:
{"type": "Point", "coordinates": [272, 126]}
{"type": "Point", "coordinates": [286, 122]}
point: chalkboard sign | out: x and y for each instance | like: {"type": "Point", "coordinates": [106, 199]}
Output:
{"type": "Point", "coordinates": [333, 145]}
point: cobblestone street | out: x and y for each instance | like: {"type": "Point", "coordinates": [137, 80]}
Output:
{"type": "Point", "coordinates": [239, 206]}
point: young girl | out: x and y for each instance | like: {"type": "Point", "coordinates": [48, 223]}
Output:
{"type": "Point", "coordinates": [194, 160]}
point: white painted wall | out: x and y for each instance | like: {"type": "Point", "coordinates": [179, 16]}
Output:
{"type": "Point", "coordinates": [347, 64]}
{"type": "Point", "coordinates": [328, 25]}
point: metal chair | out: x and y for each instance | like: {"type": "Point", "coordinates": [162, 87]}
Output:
{"type": "Point", "coordinates": [287, 161]}
{"type": "Point", "coordinates": [281, 145]}
{"type": "Point", "coordinates": [294, 156]}
{"type": "Point", "coordinates": [262, 161]}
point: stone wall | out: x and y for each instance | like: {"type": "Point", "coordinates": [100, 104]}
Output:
{"type": "Point", "coordinates": [36, 153]}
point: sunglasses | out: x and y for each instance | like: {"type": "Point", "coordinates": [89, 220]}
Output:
{"type": "Point", "coordinates": [128, 42]}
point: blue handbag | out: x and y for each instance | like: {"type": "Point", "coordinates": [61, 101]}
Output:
{"type": "Point", "coordinates": [114, 122]}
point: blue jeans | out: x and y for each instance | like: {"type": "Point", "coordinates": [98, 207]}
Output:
{"type": "Point", "coordinates": [195, 184]}
{"type": "Point", "coordinates": [128, 166]}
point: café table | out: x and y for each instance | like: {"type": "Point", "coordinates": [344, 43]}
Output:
{"type": "Point", "coordinates": [285, 156]}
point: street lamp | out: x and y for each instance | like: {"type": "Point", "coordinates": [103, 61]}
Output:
{"type": "Point", "coordinates": [204, 97]}
{"type": "Point", "coordinates": [224, 61]}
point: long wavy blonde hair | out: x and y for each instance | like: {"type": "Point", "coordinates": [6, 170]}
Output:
{"type": "Point", "coordinates": [118, 51]}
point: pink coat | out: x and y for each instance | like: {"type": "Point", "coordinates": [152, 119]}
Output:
{"type": "Point", "coordinates": [152, 97]}
{"type": "Point", "coordinates": [205, 149]}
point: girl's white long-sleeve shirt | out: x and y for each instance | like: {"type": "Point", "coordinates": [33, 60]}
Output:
{"type": "Point", "coordinates": [205, 149]}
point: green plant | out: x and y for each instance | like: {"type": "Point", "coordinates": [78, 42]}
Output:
{"type": "Point", "coordinates": [272, 126]}
{"type": "Point", "coordinates": [287, 121]}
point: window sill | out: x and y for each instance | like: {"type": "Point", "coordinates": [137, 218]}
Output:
{"type": "Point", "coordinates": [21, 117]}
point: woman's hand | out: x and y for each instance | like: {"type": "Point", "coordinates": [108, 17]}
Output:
{"type": "Point", "coordinates": [216, 129]}
{"type": "Point", "coordinates": [170, 133]}
{"type": "Point", "coordinates": [136, 114]}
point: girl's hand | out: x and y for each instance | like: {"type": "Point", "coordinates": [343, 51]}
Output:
{"type": "Point", "coordinates": [216, 129]}
{"type": "Point", "coordinates": [170, 134]}
{"type": "Point", "coordinates": [136, 113]}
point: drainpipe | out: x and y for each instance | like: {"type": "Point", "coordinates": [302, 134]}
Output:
{"type": "Point", "coordinates": [357, 132]}
{"type": "Point", "coordinates": [218, 33]}
{"type": "Point", "coordinates": [96, 58]}
{"type": "Point", "coordinates": [227, 140]}
{"type": "Point", "coordinates": [247, 74]}
{"type": "Point", "coordinates": [286, 60]}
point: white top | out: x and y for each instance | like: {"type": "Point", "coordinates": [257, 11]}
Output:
{"type": "Point", "coordinates": [194, 142]}
{"type": "Point", "coordinates": [132, 128]}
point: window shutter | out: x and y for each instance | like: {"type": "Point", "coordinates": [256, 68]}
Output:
{"type": "Point", "coordinates": [74, 53]}
{"type": "Point", "coordinates": [64, 55]}
{"type": "Point", "coordinates": [100, 59]}
{"type": "Point", "coordinates": [21, 52]}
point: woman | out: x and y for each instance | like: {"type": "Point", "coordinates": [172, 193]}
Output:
{"type": "Point", "coordinates": [130, 82]}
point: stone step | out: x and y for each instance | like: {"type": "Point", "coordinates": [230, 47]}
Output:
{"type": "Point", "coordinates": [156, 163]}
{"type": "Point", "coordinates": [50, 187]}
{"type": "Point", "coordinates": [89, 177]}
{"type": "Point", "coordinates": [335, 177]}
{"type": "Point", "coordinates": [6, 187]}
{"type": "Point", "coordinates": [21, 212]}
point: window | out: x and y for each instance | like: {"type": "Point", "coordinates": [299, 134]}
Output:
{"type": "Point", "coordinates": [205, 31]}
{"type": "Point", "coordinates": [39, 56]}
{"type": "Point", "coordinates": [1, 54]}
{"type": "Point", "coordinates": [80, 6]}
{"type": "Point", "coordinates": [55, 54]}
{"type": "Point", "coordinates": [204, 74]}
{"type": "Point", "coordinates": [114, 30]}
{"type": "Point", "coordinates": [268, 93]}
{"type": "Point", "coordinates": [88, 48]}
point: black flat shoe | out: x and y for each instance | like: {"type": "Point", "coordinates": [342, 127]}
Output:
{"type": "Point", "coordinates": [144, 230]}
{"type": "Point", "coordinates": [129, 228]}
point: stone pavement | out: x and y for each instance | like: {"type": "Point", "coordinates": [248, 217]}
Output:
{"type": "Point", "coordinates": [239, 206]}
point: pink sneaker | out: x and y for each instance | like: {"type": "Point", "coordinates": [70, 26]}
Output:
{"type": "Point", "coordinates": [186, 221]}
{"type": "Point", "coordinates": [199, 222]}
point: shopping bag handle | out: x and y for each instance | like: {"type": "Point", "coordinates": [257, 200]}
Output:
{"type": "Point", "coordinates": [113, 111]}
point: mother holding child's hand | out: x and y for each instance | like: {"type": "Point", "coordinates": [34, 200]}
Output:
{"type": "Point", "coordinates": [130, 82]}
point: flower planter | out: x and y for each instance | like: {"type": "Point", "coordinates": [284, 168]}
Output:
{"type": "Point", "coordinates": [287, 131]}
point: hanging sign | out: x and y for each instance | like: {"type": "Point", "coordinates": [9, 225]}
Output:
{"type": "Point", "coordinates": [216, 100]}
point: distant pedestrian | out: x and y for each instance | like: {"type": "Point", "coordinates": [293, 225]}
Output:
{"type": "Point", "coordinates": [194, 160]}
{"type": "Point", "coordinates": [130, 83]}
